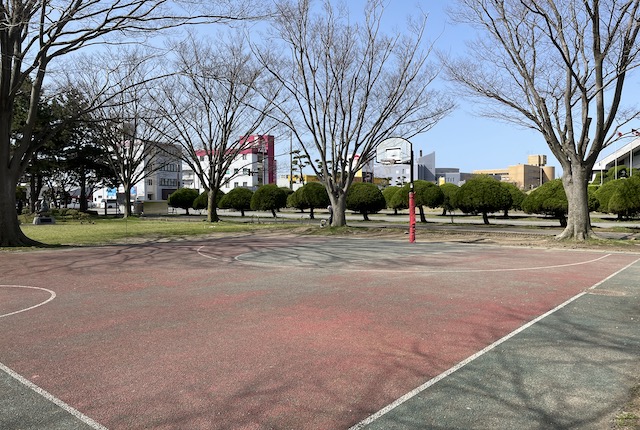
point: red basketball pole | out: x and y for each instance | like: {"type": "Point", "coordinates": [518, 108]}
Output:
{"type": "Point", "coordinates": [412, 203]}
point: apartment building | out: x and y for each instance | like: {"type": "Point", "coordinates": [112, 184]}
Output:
{"type": "Point", "coordinates": [162, 169]}
{"type": "Point", "coordinates": [252, 167]}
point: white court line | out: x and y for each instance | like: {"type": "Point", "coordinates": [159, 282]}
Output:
{"type": "Point", "coordinates": [52, 295]}
{"type": "Point", "coordinates": [205, 255]}
{"type": "Point", "coordinates": [512, 269]}
{"type": "Point", "coordinates": [478, 354]}
{"type": "Point", "coordinates": [350, 269]}
{"type": "Point", "coordinates": [48, 396]}
{"type": "Point", "coordinates": [30, 384]}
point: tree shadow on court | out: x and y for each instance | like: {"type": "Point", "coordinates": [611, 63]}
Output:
{"type": "Point", "coordinates": [86, 261]}
{"type": "Point", "coordinates": [572, 370]}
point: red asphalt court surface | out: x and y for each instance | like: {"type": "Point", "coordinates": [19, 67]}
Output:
{"type": "Point", "coordinates": [258, 332]}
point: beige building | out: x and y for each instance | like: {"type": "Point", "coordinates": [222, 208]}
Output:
{"type": "Point", "coordinates": [524, 176]}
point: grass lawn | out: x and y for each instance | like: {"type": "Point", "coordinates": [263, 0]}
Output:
{"type": "Point", "coordinates": [104, 231]}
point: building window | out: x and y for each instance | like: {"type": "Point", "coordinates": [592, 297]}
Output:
{"type": "Point", "coordinates": [149, 181]}
{"type": "Point", "coordinates": [244, 184]}
{"type": "Point", "coordinates": [244, 156]}
{"type": "Point", "coordinates": [168, 182]}
{"type": "Point", "coordinates": [246, 172]}
{"type": "Point", "coordinates": [235, 185]}
{"type": "Point", "coordinates": [150, 196]}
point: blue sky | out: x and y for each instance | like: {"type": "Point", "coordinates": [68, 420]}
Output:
{"type": "Point", "coordinates": [465, 140]}
{"type": "Point", "coordinates": [462, 139]}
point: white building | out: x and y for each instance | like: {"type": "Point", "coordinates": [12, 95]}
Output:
{"type": "Point", "coordinates": [622, 155]}
{"type": "Point", "coordinates": [163, 177]}
{"type": "Point", "coordinates": [424, 168]}
{"type": "Point", "coordinates": [251, 168]}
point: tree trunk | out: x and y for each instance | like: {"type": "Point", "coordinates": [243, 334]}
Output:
{"type": "Point", "coordinates": [11, 234]}
{"type": "Point", "coordinates": [578, 220]}
{"type": "Point", "coordinates": [127, 201]}
{"type": "Point", "coordinates": [82, 203]}
{"type": "Point", "coordinates": [563, 220]}
{"type": "Point", "coordinates": [311, 216]}
{"type": "Point", "coordinates": [212, 210]}
{"type": "Point", "coordinates": [485, 218]}
{"type": "Point", "coordinates": [365, 215]}
{"type": "Point", "coordinates": [273, 212]}
{"type": "Point", "coordinates": [423, 218]}
{"type": "Point", "coordinates": [338, 204]}
{"type": "Point", "coordinates": [33, 198]}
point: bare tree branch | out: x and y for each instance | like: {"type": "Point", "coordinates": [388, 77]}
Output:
{"type": "Point", "coordinates": [348, 87]}
{"type": "Point", "coordinates": [558, 66]}
{"type": "Point", "coordinates": [34, 34]}
{"type": "Point", "coordinates": [216, 97]}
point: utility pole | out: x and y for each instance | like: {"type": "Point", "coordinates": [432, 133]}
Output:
{"type": "Point", "coordinates": [291, 161]}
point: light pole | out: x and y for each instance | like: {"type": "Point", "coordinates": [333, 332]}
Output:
{"type": "Point", "coordinates": [412, 201]}
{"type": "Point", "coordinates": [291, 161]}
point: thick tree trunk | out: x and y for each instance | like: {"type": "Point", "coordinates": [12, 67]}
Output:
{"type": "Point", "coordinates": [212, 210]}
{"type": "Point", "coordinates": [485, 218]}
{"type": "Point", "coordinates": [127, 201]}
{"type": "Point", "coordinates": [11, 234]}
{"type": "Point", "coordinates": [575, 181]}
{"type": "Point", "coordinates": [338, 204]}
{"type": "Point", "coordinates": [311, 215]}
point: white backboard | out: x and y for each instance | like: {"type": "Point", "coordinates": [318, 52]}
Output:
{"type": "Point", "coordinates": [394, 150]}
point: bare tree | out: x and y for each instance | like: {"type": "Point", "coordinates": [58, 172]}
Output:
{"type": "Point", "coordinates": [348, 87]}
{"type": "Point", "coordinates": [559, 67]}
{"type": "Point", "coordinates": [34, 34]}
{"type": "Point", "coordinates": [210, 105]}
{"type": "Point", "coordinates": [119, 84]}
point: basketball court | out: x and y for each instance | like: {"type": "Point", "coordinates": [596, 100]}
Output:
{"type": "Point", "coordinates": [257, 332]}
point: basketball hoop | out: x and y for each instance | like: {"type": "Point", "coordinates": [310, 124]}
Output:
{"type": "Point", "coordinates": [398, 150]}
{"type": "Point", "coordinates": [393, 151]}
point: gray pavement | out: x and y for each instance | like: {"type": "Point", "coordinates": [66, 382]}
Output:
{"type": "Point", "coordinates": [571, 370]}
{"type": "Point", "coordinates": [25, 406]}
